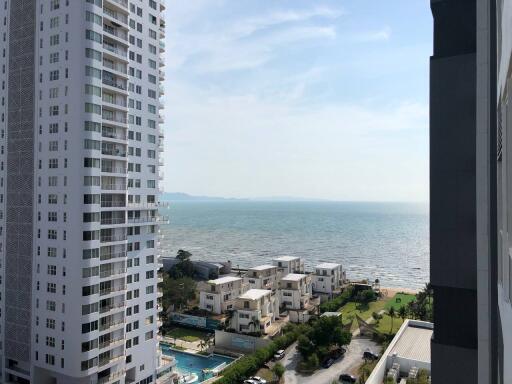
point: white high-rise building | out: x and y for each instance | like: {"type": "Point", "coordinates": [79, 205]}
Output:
{"type": "Point", "coordinates": [80, 138]}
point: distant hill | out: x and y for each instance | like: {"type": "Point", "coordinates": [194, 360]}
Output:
{"type": "Point", "coordinates": [180, 196]}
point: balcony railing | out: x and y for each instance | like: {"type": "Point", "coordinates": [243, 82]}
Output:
{"type": "Point", "coordinates": [113, 204]}
{"type": "Point", "coordinates": [113, 187]}
{"type": "Point", "coordinates": [113, 152]}
{"type": "Point", "coordinates": [112, 272]}
{"type": "Point", "coordinates": [123, 3]}
{"type": "Point", "coordinates": [108, 291]}
{"type": "Point", "coordinates": [113, 135]}
{"type": "Point", "coordinates": [113, 220]}
{"type": "Point", "coordinates": [111, 377]}
{"type": "Point", "coordinates": [115, 32]}
{"type": "Point", "coordinates": [109, 308]}
{"type": "Point", "coordinates": [113, 169]}
{"type": "Point", "coordinates": [107, 360]}
{"type": "Point", "coordinates": [111, 238]}
{"type": "Point", "coordinates": [118, 51]}
{"type": "Point", "coordinates": [115, 15]}
{"type": "Point", "coordinates": [112, 255]}
{"type": "Point", "coordinates": [113, 83]}
{"type": "Point", "coordinates": [114, 101]}
{"type": "Point", "coordinates": [107, 343]}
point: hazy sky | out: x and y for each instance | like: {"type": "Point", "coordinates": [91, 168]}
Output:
{"type": "Point", "coordinates": [322, 99]}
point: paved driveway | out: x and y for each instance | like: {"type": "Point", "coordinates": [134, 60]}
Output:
{"type": "Point", "coordinates": [348, 364]}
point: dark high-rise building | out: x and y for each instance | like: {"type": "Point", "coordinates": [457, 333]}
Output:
{"type": "Point", "coordinates": [471, 212]}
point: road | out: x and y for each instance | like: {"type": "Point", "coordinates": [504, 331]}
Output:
{"type": "Point", "coordinates": [348, 364]}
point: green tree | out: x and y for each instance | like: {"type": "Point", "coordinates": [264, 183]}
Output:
{"type": "Point", "coordinates": [177, 292]}
{"type": "Point", "coordinates": [391, 314]}
{"type": "Point", "coordinates": [184, 267]}
{"type": "Point", "coordinates": [366, 296]}
{"type": "Point", "coordinates": [278, 370]}
{"type": "Point", "coordinates": [402, 312]}
{"type": "Point", "coordinates": [305, 346]}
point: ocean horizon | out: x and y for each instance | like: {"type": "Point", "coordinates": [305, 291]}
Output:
{"type": "Point", "coordinates": [388, 241]}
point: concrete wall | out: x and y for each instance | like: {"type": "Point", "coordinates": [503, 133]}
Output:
{"type": "Point", "coordinates": [238, 343]}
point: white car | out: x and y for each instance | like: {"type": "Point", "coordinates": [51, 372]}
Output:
{"type": "Point", "coordinates": [258, 380]}
{"type": "Point", "coordinates": [249, 381]}
{"type": "Point", "coordinates": [279, 354]}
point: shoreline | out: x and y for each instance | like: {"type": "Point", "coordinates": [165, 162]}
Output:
{"type": "Point", "coordinates": [392, 291]}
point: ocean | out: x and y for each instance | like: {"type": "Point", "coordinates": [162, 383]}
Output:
{"type": "Point", "coordinates": [388, 241]}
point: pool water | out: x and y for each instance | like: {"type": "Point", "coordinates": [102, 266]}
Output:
{"type": "Point", "coordinates": [187, 363]}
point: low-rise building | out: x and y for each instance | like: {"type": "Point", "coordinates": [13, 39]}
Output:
{"type": "Point", "coordinates": [289, 264]}
{"type": "Point", "coordinates": [218, 296]}
{"type": "Point", "coordinates": [255, 311]}
{"type": "Point", "coordinates": [296, 296]}
{"type": "Point", "coordinates": [263, 277]}
{"type": "Point", "coordinates": [407, 354]}
{"type": "Point", "coordinates": [328, 278]}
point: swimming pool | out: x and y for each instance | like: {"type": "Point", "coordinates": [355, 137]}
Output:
{"type": "Point", "coordinates": [187, 363]}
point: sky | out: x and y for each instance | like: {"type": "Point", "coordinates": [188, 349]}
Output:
{"type": "Point", "coordinates": [314, 99]}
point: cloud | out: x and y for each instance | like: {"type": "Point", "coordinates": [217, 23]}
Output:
{"type": "Point", "coordinates": [383, 34]}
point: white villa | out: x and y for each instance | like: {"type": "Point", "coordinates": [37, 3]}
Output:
{"type": "Point", "coordinates": [218, 296]}
{"type": "Point", "coordinates": [328, 278]}
{"type": "Point", "coordinates": [295, 294]}
{"type": "Point", "coordinates": [255, 310]}
{"type": "Point", "coordinates": [262, 277]}
{"type": "Point", "coordinates": [289, 264]}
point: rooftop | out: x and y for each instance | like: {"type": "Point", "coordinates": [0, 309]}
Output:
{"type": "Point", "coordinates": [414, 344]}
{"type": "Point", "coordinates": [294, 277]}
{"type": "Point", "coordinates": [223, 280]}
{"type": "Point", "coordinates": [262, 267]}
{"type": "Point", "coordinates": [328, 266]}
{"type": "Point", "coordinates": [331, 314]}
{"type": "Point", "coordinates": [286, 258]}
{"type": "Point", "coordinates": [255, 294]}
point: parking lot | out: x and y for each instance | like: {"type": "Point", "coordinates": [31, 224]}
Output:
{"type": "Point", "coordinates": [348, 364]}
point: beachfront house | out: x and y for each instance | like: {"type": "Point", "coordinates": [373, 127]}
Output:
{"type": "Point", "coordinates": [328, 278]}
{"type": "Point", "coordinates": [289, 264]}
{"type": "Point", "coordinates": [218, 296]}
{"type": "Point", "coordinates": [296, 297]}
{"type": "Point", "coordinates": [262, 277]}
{"type": "Point", "coordinates": [255, 311]}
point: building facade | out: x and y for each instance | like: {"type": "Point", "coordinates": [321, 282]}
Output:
{"type": "Point", "coordinates": [289, 264]}
{"type": "Point", "coordinates": [263, 277]}
{"type": "Point", "coordinates": [218, 296]}
{"type": "Point", "coordinates": [255, 311]}
{"type": "Point", "coordinates": [471, 182]}
{"type": "Point", "coordinates": [80, 139]}
{"type": "Point", "coordinates": [328, 278]}
{"type": "Point", "coordinates": [295, 296]}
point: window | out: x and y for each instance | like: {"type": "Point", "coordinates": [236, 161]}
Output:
{"type": "Point", "coordinates": [92, 54]}
{"type": "Point", "coordinates": [54, 75]}
{"type": "Point", "coordinates": [93, 18]}
{"type": "Point", "coordinates": [53, 163]}
{"type": "Point", "coordinates": [54, 4]}
{"type": "Point", "coordinates": [92, 72]}
{"type": "Point", "coordinates": [50, 359]}
{"type": "Point", "coordinates": [54, 40]}
{"type": "Point", "coordinates": [54, 57]}
{"type": "Point", "coordinates": [94, 36]}
{"type": "Point", "coordinates": [93, 108]}
{"type": "Point", "coordinates": [54, 110]}
{"type": "Point", "coordinates": [51, 287]}
{"type": "Point", "coordinates": [92, 90]}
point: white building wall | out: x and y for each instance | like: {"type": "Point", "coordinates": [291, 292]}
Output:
{"type": "Point", "coordinates": [95, 190]}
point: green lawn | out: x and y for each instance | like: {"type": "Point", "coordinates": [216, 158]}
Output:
{"type": "Point", "coordinates": [186, 334]}
{"type": "Point", "coordinates": [384, 325]}
{"type": "Point", "coordinates": [350, 309]}
{"type": "Point", "coordinates": [399, 300]}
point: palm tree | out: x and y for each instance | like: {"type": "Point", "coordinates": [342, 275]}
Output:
{"type": "Point", "coordinates": [402, 312]}
{"type": "Point", "coordinates": [392, 314]}
{"type": "Point", "coordinates": [203, 344]}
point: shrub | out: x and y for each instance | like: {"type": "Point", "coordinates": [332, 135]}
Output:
{"type": "Point", "coordinates": [249, 364]}
{"type": "Point", "coordinates": [339, 301]}
{"type": "Point", "coordinates": [278, 370]}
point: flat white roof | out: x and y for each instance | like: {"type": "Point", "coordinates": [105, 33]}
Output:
{"type": "Point", "coordinates": [294, 277]}
{"type": "Point", "coordinates": [225, 279]}
{"type": "Point", "coordinates": [255, 294]}
{"type": "Point", "coordinates": [328, 266]}
{"type": "Point", "coordinates": [262, 267]}
{"type": "Point", "coordinates": [286, 258]}
{"type": "Point", "coordinates": [414, 344]}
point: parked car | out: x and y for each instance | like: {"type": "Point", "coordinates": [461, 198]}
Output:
{"type": "Point", "coordinates": [337, 353]}
{"type": "Point", "coordinates": [369, 355]}
{"type": "Point", "coordinates": [249, 381]}
{"type": "Point", "coordinates": [327, 362]}
{"type": "Point", "coordinates": [258, 379]}
{"type": "Point", "coordinates": [279, 354]}
{"type": "Point", "coordinates": [346, 378]}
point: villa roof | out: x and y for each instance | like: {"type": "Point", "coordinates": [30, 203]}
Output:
{"type": "Point", "coordinates": [223, 280]}
{"type": "Point", "coordinates": [262, 267]}
{"type": "Point", "coordinates": [286, 258]}
{"type": "Point", "coordinates": [328, 266]}
{"type": "Point", "coordinates": [255, 294]}
{"type": "Point", "coordinates": [414, 344]}
{"type": "Point", "coordinates": [294, 277]}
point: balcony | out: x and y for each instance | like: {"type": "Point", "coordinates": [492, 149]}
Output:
{"type": "Point", "coordinates": [115, 101]}
{"type": "Point", "coordinates": [111, 377]}
{"type": "Point", "coordinates": [122, 3]}
{"type": "Point", "coordinates": [111, 342]}
{"type": "Point", "coordinates": [118, 33]}
{"type": "Point", "coordinates": [112, 220]}
{"type": "Point", "coordinates": [109, 359]}
{"type": "Point", "coordinates": [111, 133]}
{"type": "Point", "coordinates": [109, 151]}
{"type": "Point", "coordinates": [112, 272]}
{"type": "Point", "coordinates": [108, 291]}
{"type": "Point", "coordinates": [113, 238]}
{"type": "Point", "coordinates": [116, 50]}
{"type": "Point", "coordinates": [116, 15]}
{"type": "Point", "coordinates": [112, 255]}
{"type": "Point", "coordinates": [108, 308]}
{"type": "Point", "coordinates": [113, 169]}
{"type": "Point", "coordinates": [113, 186]}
